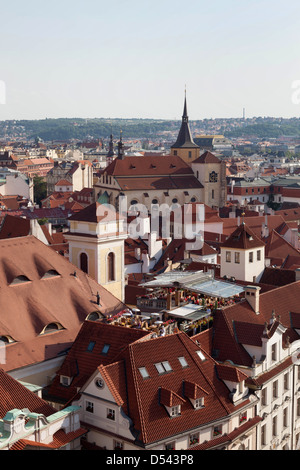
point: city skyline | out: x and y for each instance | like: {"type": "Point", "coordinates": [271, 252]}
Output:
{"type": "Point", "coordinates": [132, 60]}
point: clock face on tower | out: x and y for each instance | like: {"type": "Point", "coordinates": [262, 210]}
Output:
{"type": "Point", "coordinates": [213, 177]}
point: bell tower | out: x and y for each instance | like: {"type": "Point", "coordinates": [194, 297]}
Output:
{"type": "Point", "coordinates": [96, 246]}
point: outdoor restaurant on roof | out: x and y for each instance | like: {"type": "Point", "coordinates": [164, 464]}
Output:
{"type": "Point", "coordinates": [181, 300]}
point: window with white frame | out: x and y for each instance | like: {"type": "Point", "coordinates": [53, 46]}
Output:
{"type": "Point", "coordinates": [170, 446]}
{"type": "Point", "coordinates": [65, 381]}
{"type": "Point", "coordinates": [193, 439]}
{"type": "Point", "coordinates": [118, 445]}
{"type": "Point", "coordinates": [199, 403]}
{"type": "Point", "coordinates": [275, 389]}
{"type": "Point", "coordinates": [175, 411]}
{"type": "Point", "coordinates": [163, 367]}
{"type": "Point", "coordinates": [217, 430]}
{"type": "Point", "coordinates": [89, 406]}
{"type": "Point", "coordinates": [110, 414]}
{"type": "Point", "coordinates": [274, 352]}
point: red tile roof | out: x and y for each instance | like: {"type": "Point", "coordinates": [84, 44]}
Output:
{"type": "Point", "coordinates": [27, 307]}
{"type": "Point", "coordinates": [244, 238]}
{"type": "Point", "coordinates": [150, 165]}
{"type": "Point", "coordinates": [207, 157]}
{"type": "Point", "coordinates": [81, 362]}
{"type": "Point", "coordinates": [142, 396]}
{"type": "Point", "coordinates": [238, 324]}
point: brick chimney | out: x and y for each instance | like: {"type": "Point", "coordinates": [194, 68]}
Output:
{"type": "Point", "coordinates": [252, 296]}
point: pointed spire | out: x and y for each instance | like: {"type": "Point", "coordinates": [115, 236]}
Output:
{"type": "Point", "coordinates": [120, 148]}
{"type": "Point", "coordinates": [184, 138]}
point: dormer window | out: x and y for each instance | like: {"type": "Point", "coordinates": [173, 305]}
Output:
{"type": "Point", "coordinates": [175, 411]}
{"type": "Point", "coordinates": [50, 273]}
{"type": "Point", "coordinates": [199, 403]}
{"type": "Point", "coordinates": [65, 381]}
{"type": "Point", "coordinates": [20, 280]}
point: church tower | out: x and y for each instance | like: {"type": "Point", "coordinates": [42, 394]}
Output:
{"type": "Point", "coordinates": [111, 153]}
{"type": "Point", "coordinates": [96, 246]}
{"type": "Point", "coordinates": [185, 146]}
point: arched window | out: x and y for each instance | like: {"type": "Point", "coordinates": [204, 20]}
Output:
{"type": "Point", "coordinates": [84, 262]}
{"type": "Point", "coordinates": [111, 266]}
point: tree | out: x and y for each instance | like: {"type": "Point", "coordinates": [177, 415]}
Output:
{"type": "Point", "coordinates": [39, 188]}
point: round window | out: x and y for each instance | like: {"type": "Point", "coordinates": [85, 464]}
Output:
{"type": "Point", "coordinates": [99, 383]}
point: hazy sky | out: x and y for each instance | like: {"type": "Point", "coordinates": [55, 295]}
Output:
{"type": "Point", "coordinates": [130, 58]}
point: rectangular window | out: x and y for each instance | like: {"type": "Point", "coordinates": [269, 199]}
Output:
{"type": "Point", "coordinates": [228, 256]}
{"type": "Point", "coordinates": [274, 426]}
{"type": "Point", "coordinates": [170, 446]}
{"type": "Point", "coordinates": [89, 406]}
{"type": "Point", "coordinates": [105, 349]}
{"type": "Point", "coordinates": [163, 367]}
{"type": "Point", "coordinates": [183, 362]}
{"type": "Point", "coordinates": [118, 445]}
{"type": "Point", "coordinates": [237, 257]}
{"type": "Point", "coordinates": [286, 381]}
{"type": "Point", "coordinates": [175, 410]}
{"type": "Point", "coordinates": [110, 414]}
{"type": "Point", "coordinates": [213, 194]}
{"type": "Point", "coordinates": [274, 352]}
{"type": "Point", "coordinates": [263, 435]}
{"type": "Point", "coordinates": [251, 257]}
{"type": "Point", "coordinates": [217, 431]}
{"type": "Point", "coordinates": [91, 346]}
{"type": "Point", "coordinates": [193, 439]}
{"type": "Point", "coordinates": [144, 372]}
{"type": "Point", "coordinates": [258, 255]}
{"type": "Point", "coordinates": [275, 389]}
{"type": "Point", "coordinates": [298, 406]}
{"type": "Point", "coordinates": [199, 403]}
{"type": "Point", "coordinates": [264, 396]}
{"type": "Point", "coordinates": [285, 417]}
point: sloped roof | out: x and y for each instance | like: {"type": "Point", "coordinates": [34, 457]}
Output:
{"type": "Point", "coordinates": [207, 157]}
{"type": "Point", "coordinates": [13, 395]}
{"type": "Point", "coordinates": [229, 335]}
{"type": "Point", "coordinates": [141, 396]}
{"type": "Point", "coordinates": [95, 213]}
{"type": "Point", "coordinates": [243, 238]}
{"type": "Point", "coordinates": [277, 247]}
{"type": "Point", "coordinates": [154, 165]}
{"type": "Point", "coordinates": [82, 361]}
{"type": "Point", "coordinates": [28, 306]}
{"type": "Point", "coordinates": [184, 138]}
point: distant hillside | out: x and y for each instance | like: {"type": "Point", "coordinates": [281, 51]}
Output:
{"type": "Point", "coordinates": [97, 128]}
{"type": "Point", "coordinates": [66, 129]}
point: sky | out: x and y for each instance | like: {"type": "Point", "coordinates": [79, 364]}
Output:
{"type": "Point", "coordinates": [134, 59]}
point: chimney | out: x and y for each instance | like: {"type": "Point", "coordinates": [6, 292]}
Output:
{"type": "Point", "coordinates": [252, 296]}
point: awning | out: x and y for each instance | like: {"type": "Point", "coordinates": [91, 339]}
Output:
{"type": "Point", "coordinates": [196, 281]}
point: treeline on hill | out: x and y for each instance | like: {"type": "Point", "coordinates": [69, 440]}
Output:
{"type": "Point", "coordinates": [66, 129]}
{"type": "Point", "coordinates": [267, 130]}
{"type": "Point", "coordinates": [62, 129]}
